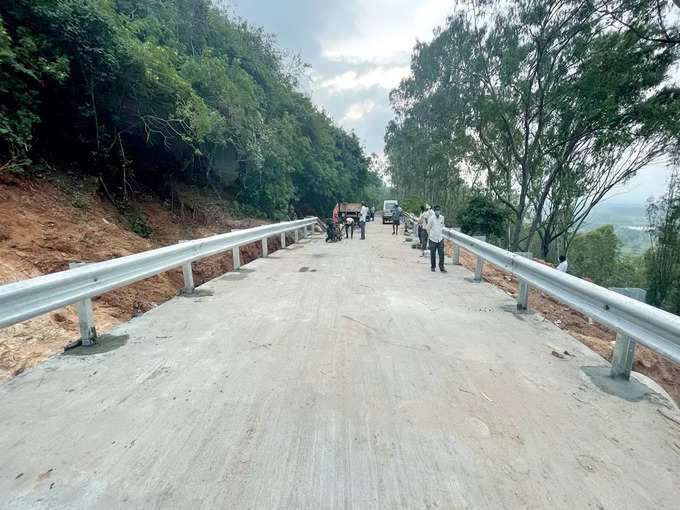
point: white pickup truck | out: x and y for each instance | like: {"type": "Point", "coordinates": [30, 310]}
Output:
{"type": "Point", "coordinates": [388, 208]}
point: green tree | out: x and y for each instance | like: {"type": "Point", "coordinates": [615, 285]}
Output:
{"type": "Point", "coordinates": [663, 258]}
{"type": "Point", "coordinates": [482, 216]}
{"type": "Point", "coordinates": [595, 255]}
{"type": "Point", "coordinates": [542, 102]}
{"type": "Point", "coordinates": [156, 91]}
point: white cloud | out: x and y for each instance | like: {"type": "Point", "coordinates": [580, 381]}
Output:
{"type": "Point", "coordinates": [386, 30]}
{"type": "Point", "coordinates": [387, 78]}
{"type": "Point", "coordinates": [358, 110]}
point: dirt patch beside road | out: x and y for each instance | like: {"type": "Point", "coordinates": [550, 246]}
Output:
{"type": "Point", "coordinates": [597, 337]}
{"type": "Point", "coordinates": [44, 228]}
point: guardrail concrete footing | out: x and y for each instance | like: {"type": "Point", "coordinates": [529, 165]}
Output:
{"type": "Point", "coordinates": [88, 332]}
{"type": "Point", "coordinates": [624, 348]}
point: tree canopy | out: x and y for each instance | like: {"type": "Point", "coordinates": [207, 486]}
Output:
{"type": "Point", "coordinates": [546, 105]}
{"type": "Point", "coordinates": [163, 90]}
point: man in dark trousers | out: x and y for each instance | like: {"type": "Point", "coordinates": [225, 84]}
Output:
{"type": "Point", "coordinates": [362, 219]}
{"type": "Point", "coordinates": [349, 227]}
{"type": "Point", "coordinates": [435, 233]}
{"type": "Point", "coordinates": [396, 218]}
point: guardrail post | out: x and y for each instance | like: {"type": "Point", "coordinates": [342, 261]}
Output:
{"type": "Point", "coordinates": [523, 295]}
{"type": "Point", "coordinates": [88, 332]}
{"type": "Point", "coordinates": [624, 348]}
{"type": "Point", "coordinates": [188, 278]}
{"type": "Point", "coordinates": [283, 240]}
{"type": "Point", "coordinates": [296, 234]}
{"type": "Point", "coordinates": [456, 250]}
{"type": "Point", "coordinates": [480, 263]}
{"type": "Point", "coordinates": [188, 275]}
{"type": "Point", "coordinates": [236, 257]}
{"type": "Point", "coordinates": [265, 247]}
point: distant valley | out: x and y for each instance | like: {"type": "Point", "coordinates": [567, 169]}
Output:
{"type": "Point", "coordinates": [629, 221]}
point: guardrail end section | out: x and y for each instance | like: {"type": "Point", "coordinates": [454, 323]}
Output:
{"type": "Point", "coordinates": [88, 332]}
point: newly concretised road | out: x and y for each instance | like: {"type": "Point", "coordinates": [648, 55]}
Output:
{"type": "Point", "coordinates": [333, 376]}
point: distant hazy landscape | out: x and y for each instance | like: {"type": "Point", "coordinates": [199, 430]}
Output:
{"type": "Point", "coordinates": [629, 221]}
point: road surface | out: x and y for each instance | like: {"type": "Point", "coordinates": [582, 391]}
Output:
{"type": "Point", "coordinates": [333, 376]}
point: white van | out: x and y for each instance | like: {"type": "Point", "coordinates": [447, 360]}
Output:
{"type": "Point", "coordinates": [388, 207]}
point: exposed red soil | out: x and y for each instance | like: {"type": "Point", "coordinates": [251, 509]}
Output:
{"type": "Point", "coordinates": [597, 337]}
{"type": "Point", "coordinates": [41, 231]}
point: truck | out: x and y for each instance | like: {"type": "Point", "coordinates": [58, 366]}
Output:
{"type": "Point", "coordinates": [388, 207]}
{"type": "Point", "coordinates": [349, 210]}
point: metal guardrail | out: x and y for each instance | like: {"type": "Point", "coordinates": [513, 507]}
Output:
{"type": "Point", "coordinates": [652, 327]}
{"type": "Point", "coordinates": [29, 298]}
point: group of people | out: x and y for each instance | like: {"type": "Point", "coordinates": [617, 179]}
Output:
{"type": "Point", "coordinates": [431, 234]}
{"type": "Point", "coordinates": [430, 231]}
{"type": "Point", "coordinates": [335, 228]}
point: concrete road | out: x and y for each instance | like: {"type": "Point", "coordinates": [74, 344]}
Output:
{"type": "Point", "coordinates": [333, 376]}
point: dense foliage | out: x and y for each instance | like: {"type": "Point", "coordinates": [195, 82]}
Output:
{"type": "Point", "coordinates": [663, 259]}
{"type": "Point", "coordinates": [481, 216]}
{"type": "Point", "coordinates": [164, 90]}
{"type": "Point", "coordinates": [546, 105]}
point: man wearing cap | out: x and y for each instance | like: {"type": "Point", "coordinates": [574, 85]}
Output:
{"type": "Point", "coordinates": [435, 232]}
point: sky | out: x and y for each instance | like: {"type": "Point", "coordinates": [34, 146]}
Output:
{"type": "Point", "coordinates": [359, 50]}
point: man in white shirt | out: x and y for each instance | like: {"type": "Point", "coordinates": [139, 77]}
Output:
{"type": "Point", "coordinates": [435, 232]}
{"type": "Point", "coordinates": [422, 224]}
{"type": "Point", "coordinates": [362, 219]}
{"type": "Point", "coordinates": [563, 264]}
{"type": "Point", "coordinates": [349, 227]}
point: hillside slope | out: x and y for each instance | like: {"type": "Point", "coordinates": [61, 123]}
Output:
{"type": "Point", "coordinates": [47, 223]}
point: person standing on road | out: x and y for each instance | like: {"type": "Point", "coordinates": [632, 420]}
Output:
{"type": "Point", "coordinates": [373, 213]}
{"type": "Point", "coordinates": [396, 218]}
{"type": "Point", "coordinates": [349, 227]}
{"type": "Point", "coordinates": [362, 219]}
{"type": "Point", "coordinates": [435, 232]}
{"type": "Point", "coordinates": [563, 264]}
{"type": "Point", "coordinates": [422, 225]}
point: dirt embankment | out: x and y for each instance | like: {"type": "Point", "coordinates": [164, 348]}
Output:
{"type": "Point", "coordinates": [45, 225]}
{"type": "Point", "coordinates": [597, 337]}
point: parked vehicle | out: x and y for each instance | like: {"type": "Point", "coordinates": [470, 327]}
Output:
{"type": "Point", "coordinates": [388, 208]}
{"type": "Point", "coordinates": [349, 210]}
